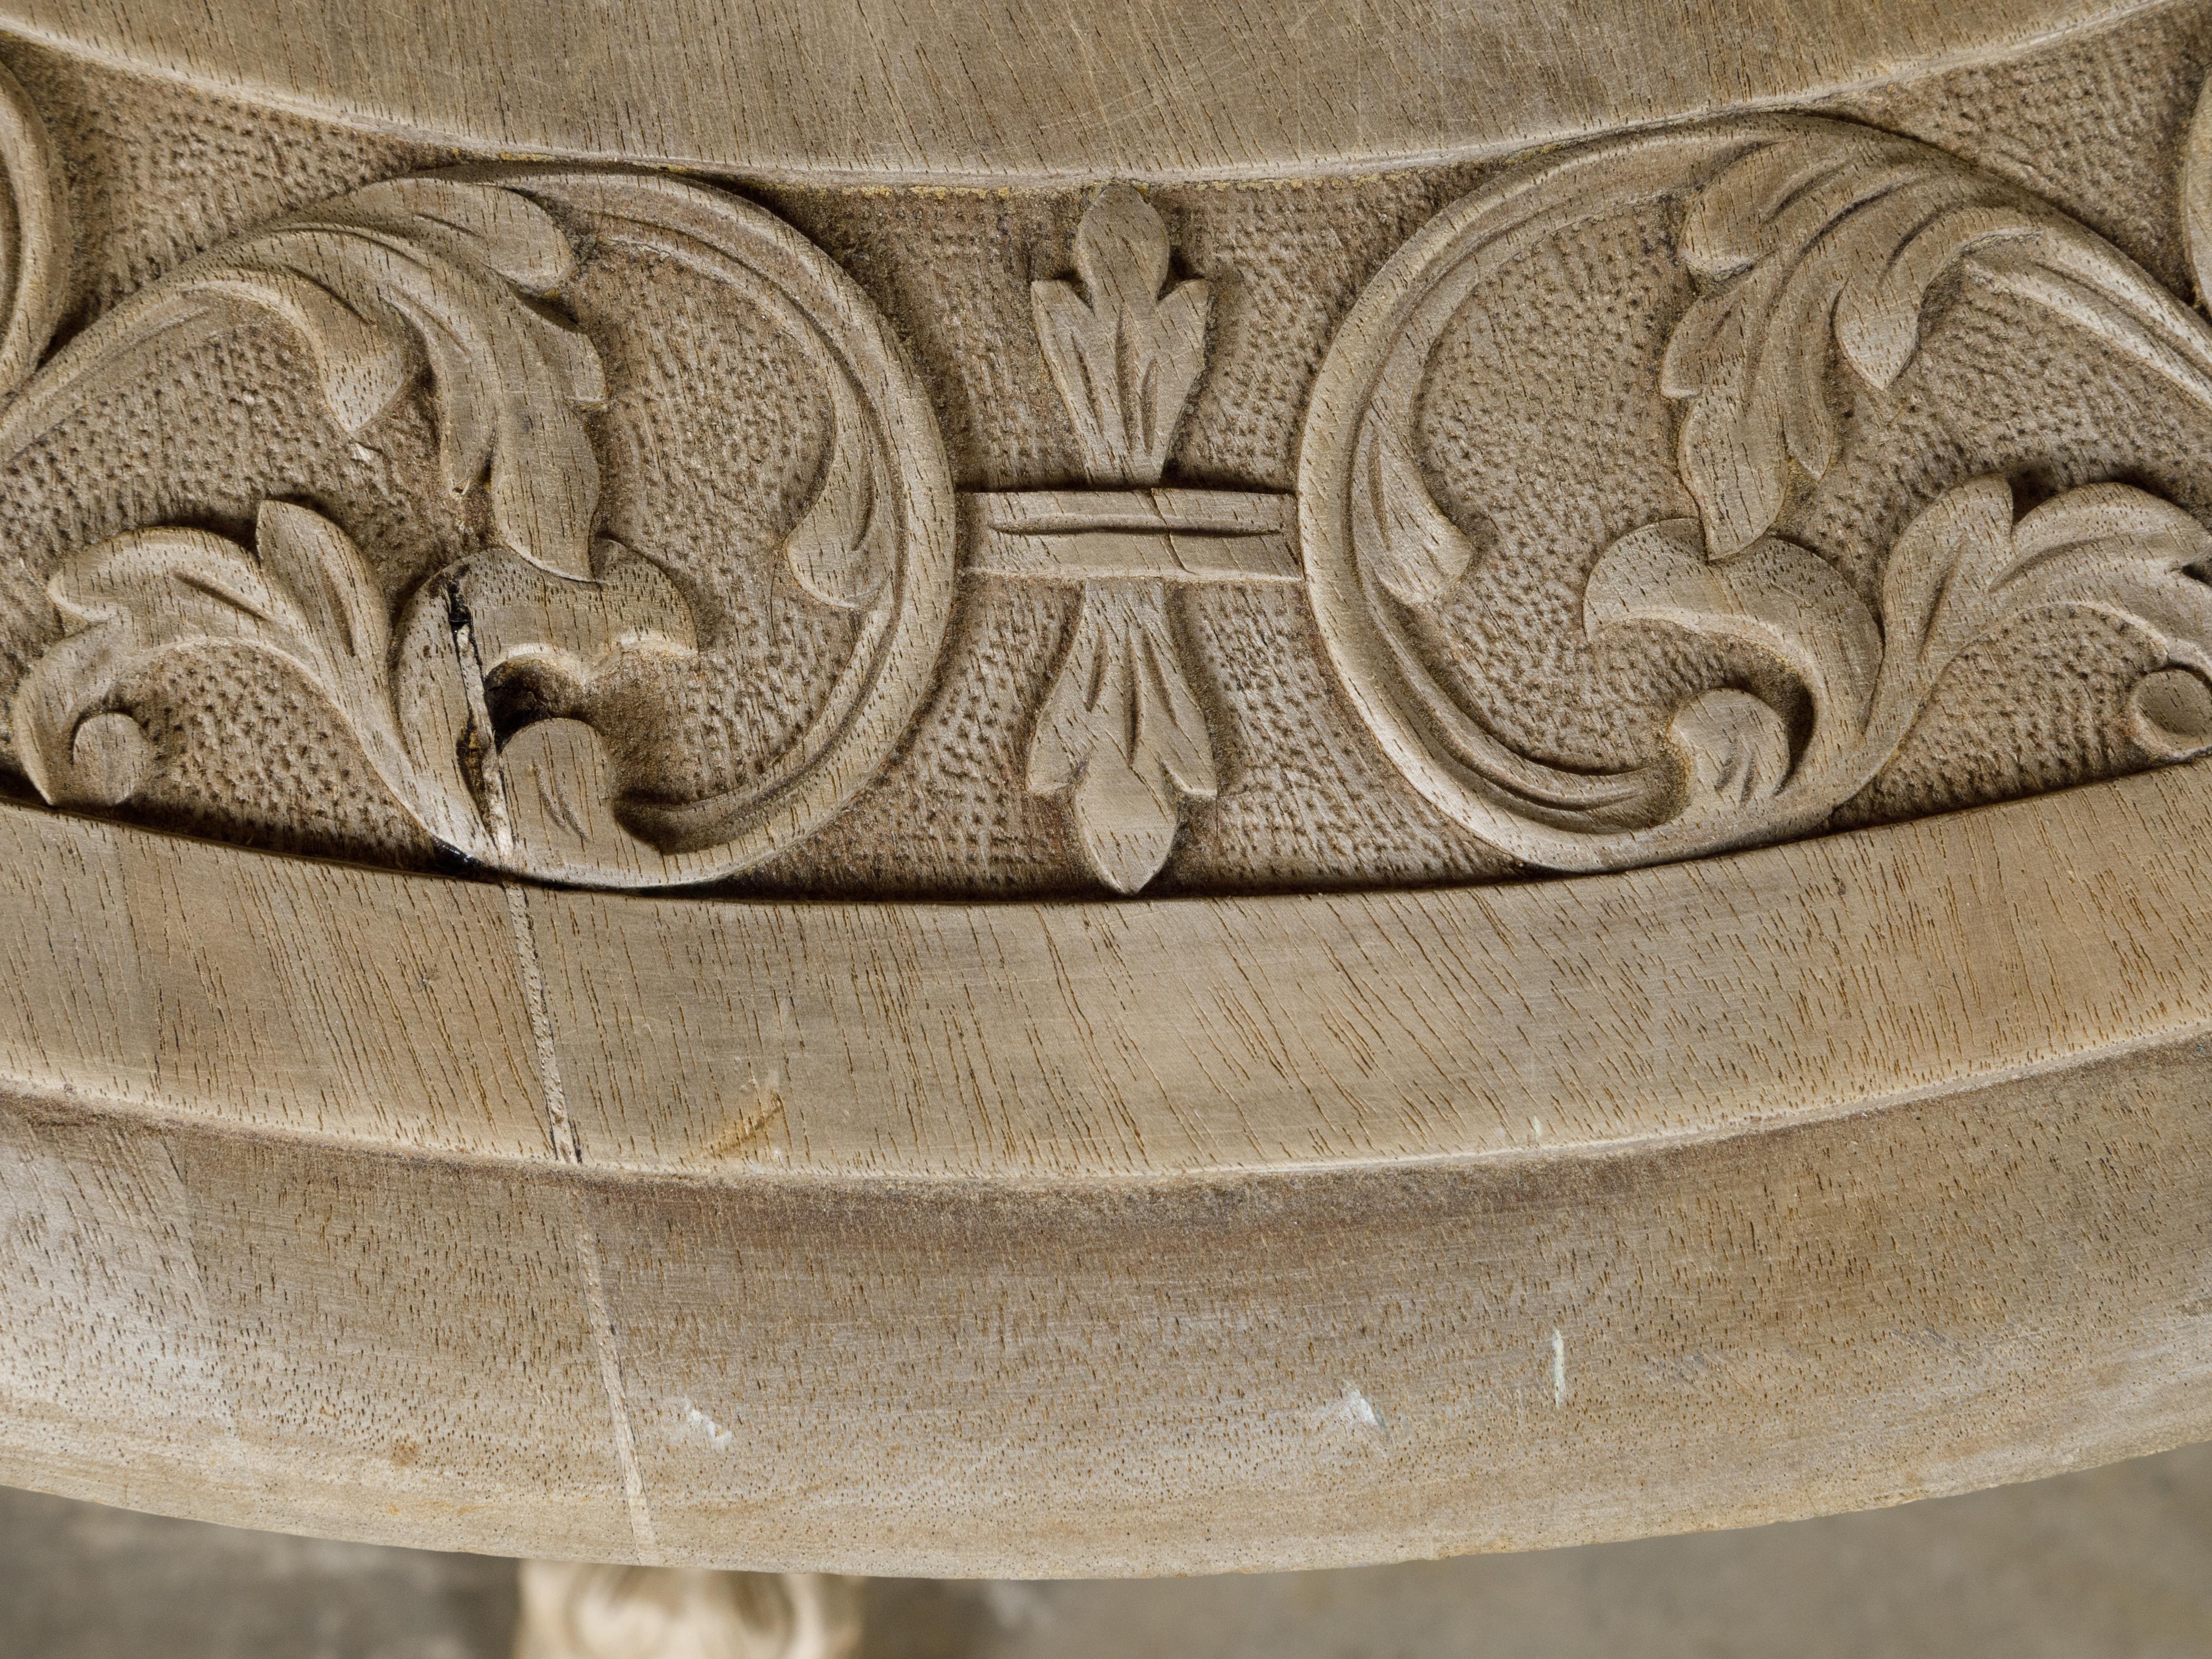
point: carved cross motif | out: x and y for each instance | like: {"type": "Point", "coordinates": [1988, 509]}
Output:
{"type": "Point", "coordinates": [1123, 736]}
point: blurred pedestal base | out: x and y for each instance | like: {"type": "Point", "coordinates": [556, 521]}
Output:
{"type": "Point", "coordinates": [573, 1610]}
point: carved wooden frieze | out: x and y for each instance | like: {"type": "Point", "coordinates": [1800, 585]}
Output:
{"type": "Point", "coordinates": [1667, 494]}
{"type": "Point", "coordinates": [1824, 257]}
{"type": "Point", "coordinates": [897, 464]}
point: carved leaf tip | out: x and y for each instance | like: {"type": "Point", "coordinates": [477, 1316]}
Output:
{"type": "Point", "coordinates": [470, 222]}
{"type": "Point", "coordinates": [443, 274]}
{"type": "Point", "coordinates": [1122, 247]}
{"type": "Point", "coordinates": [1126, 350]}
{"type": "Point", "coordinates": [1778, 598]}
{"type": "Point", "coordinates": [843, 548]}
{"type": "Point", "coordinates": [1964, 570]}
{"type": "Point", "coordinates": [337, 597]}
{"type": "Point", "coordinates": [1813, 252]}
{"type": "Point", "coordinates": [561, 791]}
{"type": "Point", "coordinates": [1735, 752]}
{"type": "Point", "coordinates": [1398, 531]}
{"type": "Point", "coordinates": [1940, 575]}
{"type": "Point", "coordinates": [34, 276]}
{"type": "Point", "coordinates": [304, 596]}
{"type": "Point", "coordinates": [1122, 736]}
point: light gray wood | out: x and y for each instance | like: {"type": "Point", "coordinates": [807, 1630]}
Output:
{"type": "Point", "coordinates": [951, 91]}
{"type": "Point", "coordinates": [1113, 1337]}
{"type": "Point", "coordinates": [777, 868]}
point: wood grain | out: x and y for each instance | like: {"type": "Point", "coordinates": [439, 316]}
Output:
{"type": "Point", "coordinates": [949, 92]}
{"type": "Point", "coordinates": [1095, 638]}
{"type": "Point", "coordinates": [1158, 1039]}
{"type": "Point", "coordinates": [1901, 1189]}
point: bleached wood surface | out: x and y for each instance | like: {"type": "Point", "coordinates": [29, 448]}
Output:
{"type": "Point", "coordinates": [1863, 1219]}
{"type": "Point", "coordinates": [947, 90]}
{"type": "Point", "coordinates": [1359, 913]}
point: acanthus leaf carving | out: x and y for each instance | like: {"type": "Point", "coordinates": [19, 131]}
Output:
{"type": "Point", "coordinates": [1962, 572]}
{"type": "Point", "coordinates": [1817, 237]}
{"type": "Point", "coordinates": [382, 286]}
{"type": "Point", "coordinates": [545, 798]}
{"type": "Point", "coordinates": [398, 280]}
{"type": "Point", "coordinates": [1964, 568]}
{"type": "Point", "coordinates": [2109, 548]}
{"type": "Point", "coordinates": [1777, 597]}
{"type": "Point", "coordinates": [303, 595]}
{"type": "Point", "coordinates": [397, 269]}
{"type": "Point", "coordinates": [414, 702]}
{"type": "Point", "coordinates": [1812, 248]}
{"type": "Point", "coordinates": [444, 287]}
{"type": "Point", "coordinates": [1820, 250]}
{"type": "Point", "coordinates": [1122, 734]}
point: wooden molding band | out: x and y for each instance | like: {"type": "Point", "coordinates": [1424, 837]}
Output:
{"type": "Point", "coordinates": [734, 1042]}
{"type": "Point", "coordinates": [301, 1238]}
{"type": "Point", "coordinates": [1300, 542]}
{"type": "Point", "coordinates": [882, 89]}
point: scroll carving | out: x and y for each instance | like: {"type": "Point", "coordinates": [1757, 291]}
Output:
{"type": "Point", "coordinates": [1820, 249]}
{"type": "Point", "coordinates": [1731, 636]}
{"type": "Point", "coordinates": [1962, 572]}
{"type": "Point", "coordinates": [447, 280]}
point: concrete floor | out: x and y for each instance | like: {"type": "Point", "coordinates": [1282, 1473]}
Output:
{"type": "Point", "coordinates": [2108, 1564]}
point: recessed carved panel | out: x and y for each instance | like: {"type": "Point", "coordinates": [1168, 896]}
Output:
{"type": "Point", "coordinates": [1814, 265]}
{"type": "Point", "coordinates": [1666, 495]}
{"type": "Point", "coordinates": [1153, 498]}
{"type": "Point", "coordinates": [529, 693]}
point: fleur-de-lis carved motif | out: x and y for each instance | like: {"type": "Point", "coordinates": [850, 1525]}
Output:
{"type": "Point", "coordinates": [1126, 349]}
{"type": "Point", "coordinates": [1825, 260]}
{"type": "Point", "coordinates": [1123, 736]}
